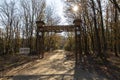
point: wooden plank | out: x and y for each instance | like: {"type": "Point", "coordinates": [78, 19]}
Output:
{"type": "Point", "coordinates": [58, 28]}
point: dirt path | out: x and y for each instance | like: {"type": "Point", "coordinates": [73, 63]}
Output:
{"type": "Point", "coordinates": [55, 67]}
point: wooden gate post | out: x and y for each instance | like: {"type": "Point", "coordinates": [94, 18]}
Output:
{"type": "Point", "coordinates": [40, 39]}
{"type": "Point", "coordinates": [78, 48]}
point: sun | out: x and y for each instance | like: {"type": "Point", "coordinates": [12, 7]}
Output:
{"type": "Point", "coordinates": [75, 8]}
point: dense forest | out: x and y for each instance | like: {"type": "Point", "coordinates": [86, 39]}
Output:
{"type": "Point", "coordinates": [93, 55]}
{"type": "Point", "coordinates": [100, 25]}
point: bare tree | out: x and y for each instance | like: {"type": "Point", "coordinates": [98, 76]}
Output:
{"type": "Point", "coordinates": [8, 14]}
{"type": "Point", "coordinates": [32, 11]}
{"type": "Point", "coordinates": [51, 18]}
{"type": "Point", "coordinates": [116, 4]}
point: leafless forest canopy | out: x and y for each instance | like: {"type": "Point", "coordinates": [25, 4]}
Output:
{"type": "Point", "coordinates": [100, 26]}
{"type": "Point", "coordinates": [95, 48]}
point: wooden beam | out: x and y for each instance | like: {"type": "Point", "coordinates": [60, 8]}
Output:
{"type": "Point", "coordinates": [57, 28]}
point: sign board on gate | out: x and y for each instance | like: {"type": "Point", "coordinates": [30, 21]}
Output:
{"type": "Point", "coordinates": [24, 50]}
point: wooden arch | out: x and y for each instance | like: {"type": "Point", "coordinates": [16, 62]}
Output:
{"type": "Point", "coordinates": [42, 28]}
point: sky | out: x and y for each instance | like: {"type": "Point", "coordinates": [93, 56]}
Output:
{"type": "Point", "coordinates": [58, 5]}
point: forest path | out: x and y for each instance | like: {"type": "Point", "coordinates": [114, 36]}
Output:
{"type": "Point", "coordinates": [54, 67]}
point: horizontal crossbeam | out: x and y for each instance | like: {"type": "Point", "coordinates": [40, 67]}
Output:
{"type": "Point", "coordinates": [57, 28]}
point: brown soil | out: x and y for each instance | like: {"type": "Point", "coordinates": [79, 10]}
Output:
{"type": "Point", "coordinates": [56, 66]}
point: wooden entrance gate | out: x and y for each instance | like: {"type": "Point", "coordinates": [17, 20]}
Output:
{"type": "Point", "coordinates": [42, 28]}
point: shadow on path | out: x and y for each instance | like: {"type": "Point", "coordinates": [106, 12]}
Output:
{"type": "Point", "coordinates": [82, 74]}
{"type": "Point", "coordinates": [41, 77]}
{"type": "Point", "coordinates": [94, 71]}
{"type": "Point", "coordinates": [56, 68]}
